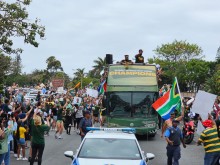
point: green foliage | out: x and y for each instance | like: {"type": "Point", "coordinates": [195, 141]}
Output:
{"type": "Point", "coordinates": [14, 22]}
{"type": "Point", "coordinates": [85, 81]}
{"type": "Point", "coordinates": [80, 73]}
{"type": "Point", "coordinates": [197, 71]}
{"type": "Point", "coordinates": [212, 84]}
{"type": "Point", "coordinates": [218, 56]}
{"type": "Point", "coordinates": [16, 65]}
{"type": "Point", "coordinates": [19, 79]}
{"type": "Point", "coordinates": [100, 64]}
{"type": "Point", "coordinates": [178, 50]}
{"type": "Point", "coordinates": [53, 64]}
{"type": "Point", "coordinates": [4, 67]}
{"type": "Point", "coordinates": [184, 60]}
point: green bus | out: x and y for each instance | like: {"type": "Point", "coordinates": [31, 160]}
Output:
{"type": "Point", "coordinates": [131, 91]}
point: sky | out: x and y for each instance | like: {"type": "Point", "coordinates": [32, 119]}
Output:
{"type": "Point", "coordinates": [80, 31]}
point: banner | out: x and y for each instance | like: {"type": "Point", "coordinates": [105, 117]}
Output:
{"type": "Point", "coordinates": [92, 92]}
{"type": "Point", "coordinates": [203, 105]}
{"type": "Point", "coordinates": [57, 83]}
{"type": "Point", "coordinates": [132, 75]}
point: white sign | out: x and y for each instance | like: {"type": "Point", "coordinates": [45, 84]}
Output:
{"type": "Point", "coordinates": [92, 92]}
{"type": "Point", "coordinates": [203, 105]}
{"type": "Point", "coordinates": [77, 100]}
{"type": "Point", "coordinates": [61, 90]}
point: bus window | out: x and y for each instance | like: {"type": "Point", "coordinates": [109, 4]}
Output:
{"type": "Point", "coordinates": [120, 104]}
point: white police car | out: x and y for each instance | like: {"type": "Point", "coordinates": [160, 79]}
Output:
{"type": "Point", "coordinates": [106, 146]}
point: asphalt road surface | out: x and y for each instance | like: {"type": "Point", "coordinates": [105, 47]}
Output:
{"type": "Point", "coordinates": [53, 153]}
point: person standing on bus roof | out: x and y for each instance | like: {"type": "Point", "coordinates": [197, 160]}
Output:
{"type": "Point", "coordinates": [139, 58]}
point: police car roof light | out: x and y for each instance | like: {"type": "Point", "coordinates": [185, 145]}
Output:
{"type": "Point", "coordinates": [133, 130]}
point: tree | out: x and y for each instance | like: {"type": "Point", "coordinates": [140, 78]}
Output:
{"type": "Point", "coordinates": [53, 64]}
{"type": "Point", "coordinates": [14, 22]}
{"type": "Point", "coordinates": [191, 74]}
{"type": "Point", "coordinates": [16, 65]}
{"type": "Point", "coordinates": [4, 67]}
{"type": "Point", "coordinates": [100, 64]}
{"type": "Point", "coordinates": [80, 73]}
{"type": "Point", "coordinates": [218, 56]}
{"type": "Point", "coordinates": [197, 71]}
{"type": "Point", "coordinates": [179, 50]}
{"type": "Point", "coordinates": [212, 84]}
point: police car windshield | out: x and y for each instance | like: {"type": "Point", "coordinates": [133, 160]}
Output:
{"type": "Point", "coordinates": [110, 149]}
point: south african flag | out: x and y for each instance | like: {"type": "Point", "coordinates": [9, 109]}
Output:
{"type": "Point", "coordinates": [168, 103]}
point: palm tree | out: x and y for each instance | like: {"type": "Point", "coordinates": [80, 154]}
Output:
{"type": "Point", "coordinates": [100, 64]}
{"type": "Point", "coordinates": [79, 73]}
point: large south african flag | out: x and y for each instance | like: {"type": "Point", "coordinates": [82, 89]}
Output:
{"type": "Point", "coordinates": [168, 103]}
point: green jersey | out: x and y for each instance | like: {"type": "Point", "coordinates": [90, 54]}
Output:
{"type": "Point", "coordinates": [38, 133]}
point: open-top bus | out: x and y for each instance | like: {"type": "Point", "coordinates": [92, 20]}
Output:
{"type": "Point", "coordinates": [131, 91]}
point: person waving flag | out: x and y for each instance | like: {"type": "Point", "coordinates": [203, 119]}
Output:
{"type": "Point", "coordinates": [168, 103]}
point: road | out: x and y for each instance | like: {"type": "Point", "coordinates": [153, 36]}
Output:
{"type": "Point", "coordinates": [53, 153]}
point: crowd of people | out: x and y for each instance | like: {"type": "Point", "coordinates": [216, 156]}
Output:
{"type": "Point", "coordinates": [26, 122]}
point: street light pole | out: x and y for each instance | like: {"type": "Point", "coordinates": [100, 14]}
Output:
{"type": "Point", "coordinates": [81, 80]}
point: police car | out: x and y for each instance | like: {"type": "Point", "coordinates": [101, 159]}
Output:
{"type": "Point", "coordinates": [109, 146]}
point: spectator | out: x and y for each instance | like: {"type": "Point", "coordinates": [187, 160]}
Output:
{"type": "Point", "coordinates": [5, 146]}
{"type": "Point", "coordinates": [20, 137]}
{"type": "Point", "coordinates": [38, 141]}
{"type": "Point", "coordinates": [211, 142]}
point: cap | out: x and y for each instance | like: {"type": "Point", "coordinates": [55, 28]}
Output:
{"type": "Point", "coordinates": [207, 123]}
{"type": "Point", "coordinates": [87, 112]}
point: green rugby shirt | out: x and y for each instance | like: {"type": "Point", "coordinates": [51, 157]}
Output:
{"type": "Point", "coordinates": [210, 140]}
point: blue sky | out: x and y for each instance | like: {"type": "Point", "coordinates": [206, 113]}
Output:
{"type": "Point", "coordinates": [77, 32]}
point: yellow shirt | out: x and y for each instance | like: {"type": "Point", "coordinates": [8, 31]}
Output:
{"type": "Point", "coordinates": [22, 131]}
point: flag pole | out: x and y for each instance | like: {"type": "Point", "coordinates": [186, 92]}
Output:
{"type": "Point", "coordinates": [177, 83]}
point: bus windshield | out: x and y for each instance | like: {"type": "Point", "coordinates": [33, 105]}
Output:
{"type": "Point", "coordinates": [131, 104]}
